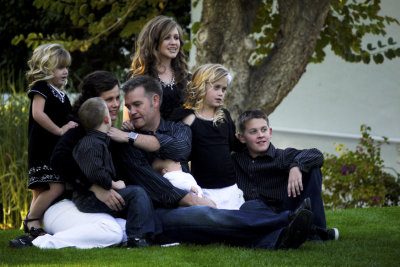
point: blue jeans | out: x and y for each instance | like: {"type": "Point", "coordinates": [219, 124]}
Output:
{"type": "Point", "coordinates": [138, 210]}
{"type": "Point", "coordinates": [312, 186]}
{"type": "Point", "coordinates": [254, 225]}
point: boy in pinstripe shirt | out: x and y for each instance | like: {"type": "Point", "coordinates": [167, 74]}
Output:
{"type": "Point", "coordinates": [281, 178]}
{"type": "Point", "coordinates": [94, 159]}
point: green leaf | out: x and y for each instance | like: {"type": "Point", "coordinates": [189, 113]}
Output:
{"type": "Point", "coordinates": [390, 54]}
{"type": "Point", "coordinates": [370, 47]}
{"type": "Point", "coordinates": [380, 44]}
{"type": "Point", "coordinates": [391, 41]}
{"type": "Point", "coordinates": [195, 27]}
{"type": "Point", "coordinates": [366, 59]}
{"type": "Point", "coordinates": [378, 58]}
{"type": "Point", "coordinates": [83, 10]}
{"type": "Point", "coordinates": [397, 52]}
{"type": "Point", "coordinates": [131, 28]}
{"type": "Point", "coordinates": [32, 35]}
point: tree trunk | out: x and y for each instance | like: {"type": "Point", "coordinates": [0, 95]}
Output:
{"type": "Point", "coordinates": [223, 37]}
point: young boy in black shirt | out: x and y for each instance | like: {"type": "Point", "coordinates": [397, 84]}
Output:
{"type": "Point", "coordinates": [282, 178]}
{"type": "Point", "coordinates": [94, 159]}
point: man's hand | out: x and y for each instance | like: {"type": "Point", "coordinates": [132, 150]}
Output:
{"type": "Point", "coordinates": [118, 135]}
{"type": "Point", "coordinates": [109, 197]}
{"type": "Point", "coordinates": [193, 200]}
{"type": "Point", "coordinates": [295, 184]}
{"type": "Point", "coordinates": [128, 126]}
{"type": "Point", "coordinates": [118, 185]}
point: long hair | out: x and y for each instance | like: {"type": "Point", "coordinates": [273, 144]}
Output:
{"type": "Point", "coordinates": [147, 54]}
{"type": "Point", "coordinates": [93, 85]}
{"type": "Point", "coordinates": [45, 60]}
{"type": "Point", "coordinates": [197, 87]}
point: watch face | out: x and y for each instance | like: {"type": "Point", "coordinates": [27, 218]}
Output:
{"type": "Point", "coordinates": [133, 135]}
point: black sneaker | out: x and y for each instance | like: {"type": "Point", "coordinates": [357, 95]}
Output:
{"type": "Point", "coordinates": [333, 234]}
{"type": "Point", "coordinates": [306, 204]}
{"type": "Point", "coordinates": [138, 242]}
{"type": "Point", "coordinates": [297, 232]}
{"type": "Point", "coordinates": [22, 241]}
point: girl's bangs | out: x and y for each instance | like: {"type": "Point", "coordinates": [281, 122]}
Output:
{"type": "Point", "coordinates": [64, 60]}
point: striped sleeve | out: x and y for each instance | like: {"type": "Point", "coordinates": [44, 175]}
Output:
{"type": "Point", "coordinates": [89, 156]}
{"type": "Point", "coordinates": [136, 170]}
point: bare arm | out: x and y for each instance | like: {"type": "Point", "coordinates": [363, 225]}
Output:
{"type": "Point", "coordinates": [146, 142]}
{"type": "Point", "coordinates": [193, 200]}
{"type": "Point", "coordinates": [43, 120]}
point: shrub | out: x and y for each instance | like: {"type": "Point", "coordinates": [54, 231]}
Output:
{"type": "Point", "coordinates": [14, 194]}
{"type": "Point", "coordinates": [357, 178]}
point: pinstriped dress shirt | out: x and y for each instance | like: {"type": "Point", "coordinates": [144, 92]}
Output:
{"type": "Point", "coordinates": [94, 159]}
{"type": "Point", "coordinates": [266, 176]}
{"type": "Point", "coordinates": [135, 164]}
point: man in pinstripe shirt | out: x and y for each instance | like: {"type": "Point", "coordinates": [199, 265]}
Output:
{"type": "Point", "coordinates": [152, 137]}
{"type": "Point", "coordinates": [282, 179]}
{"type": "Point", "coordinates": [200, 222]}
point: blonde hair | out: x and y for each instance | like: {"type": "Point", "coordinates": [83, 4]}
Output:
{"type": "Point", "coordinates": [147, 55]}
{"type": "Point", "coordinates": [92, 113]}
{"type": "Point", "coordinates": [45, 60]}
{"type": "Point", "coordinates": [196, 92]}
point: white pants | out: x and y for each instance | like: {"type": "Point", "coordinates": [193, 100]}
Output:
{"type": "Point", "coordinates": [230, 197]}
{"type": "Point", "coordinates": [68, 227]}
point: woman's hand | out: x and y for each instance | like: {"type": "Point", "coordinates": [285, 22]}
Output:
{"type": "Point", "coordinates": [128, 126]}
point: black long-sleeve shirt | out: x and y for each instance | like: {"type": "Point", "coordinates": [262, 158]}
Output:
{"type": "Point", "coordinates": [94, 159]}
{"type": "Point", "coordinates": [266, 176]}
{"type": "Point", "coordinates": [135, 164]}
{"type": "Point", "coordinates": [63, 162]}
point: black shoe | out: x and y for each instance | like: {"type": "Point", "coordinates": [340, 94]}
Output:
{"type": "Point", "coordinates": [297, 232]}
{"type": "Point", "coordinates": [138, 243]}
{"type": "Point", "coordinates": [306, 204]}
{"type": "Point", "coordinates": [22, 241]}
{"type": "Point", "coordinates": [333, 234]}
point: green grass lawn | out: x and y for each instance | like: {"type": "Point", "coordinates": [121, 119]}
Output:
{"type": "Point", "coordinates": [368, 237]}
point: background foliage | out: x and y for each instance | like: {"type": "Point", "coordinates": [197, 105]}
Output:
{"type": "Point", "coordinates": [358, 178]}
{"type": "Point", "coordinates": [99, 34]}
{"type": "Point", "coordinates": [14, 194]}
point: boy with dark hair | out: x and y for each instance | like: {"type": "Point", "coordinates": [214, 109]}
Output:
{"type": "Point", "coordinates": [94, 159]}
{"type": "Point", "coordinates": [282, 179]}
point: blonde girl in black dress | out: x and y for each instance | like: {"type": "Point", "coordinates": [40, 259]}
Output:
{"type": "Point", "coordinates": [48, 120]}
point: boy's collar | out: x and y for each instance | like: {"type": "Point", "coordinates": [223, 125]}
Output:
{"type": "Point", "coordinates": [269, 153]}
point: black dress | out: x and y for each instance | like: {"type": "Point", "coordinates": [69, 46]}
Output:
{"type": "Point", "coordinates": [173, 97]}
{"type": "Point", "coordinates": [211, 161]}
{"type": "Point", "coordinates": [40, 141]}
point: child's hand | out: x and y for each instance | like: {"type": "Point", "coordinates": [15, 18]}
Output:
{"type": "Point", "coordinates": [66, 127]}
{"type": "Point", "coordinates": [194, 190]}
{"type": "Point", "coordinates": [127, 126]}
{"type": "Point", "coordinates": [118, 185]}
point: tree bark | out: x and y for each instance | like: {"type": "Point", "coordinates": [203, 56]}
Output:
{"type": "Point", "coordinates": [224, 37]}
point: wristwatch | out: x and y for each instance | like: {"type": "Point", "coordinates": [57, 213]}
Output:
{"type": "Point", "coordinates": [132, 137]}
